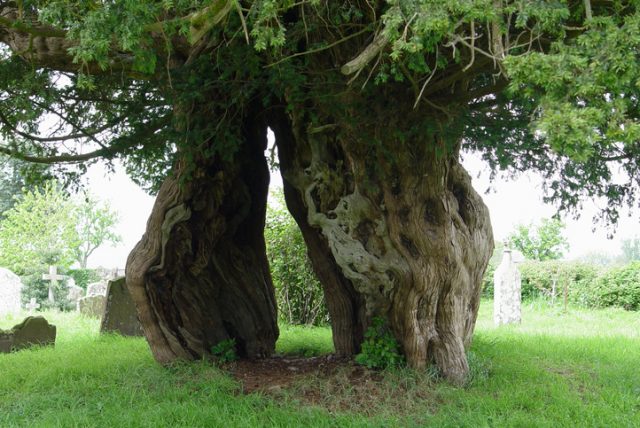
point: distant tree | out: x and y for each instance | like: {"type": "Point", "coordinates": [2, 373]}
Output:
{"type": "Point", "coordinates": [95, 223]}
{"type": "Point", "coordinates": [48, 227]}
{"type": "Point", "coordinates": [599, 258]}
{"type": "Point", "coordinates": [543, 242]}
{"type": "Point", "coordinates": [10, 185]}
{"type": "Point", "coordinates": [39, 230]}
{"type": "Point", "coordinates": [631, 249]}
{"type": "Point", "coordinates": [15, 176]}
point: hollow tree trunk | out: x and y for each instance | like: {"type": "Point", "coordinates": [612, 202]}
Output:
{"type": "Point", "coordinates": [398, 219]}
{"type": "Point", "coordinates": [200, 273]}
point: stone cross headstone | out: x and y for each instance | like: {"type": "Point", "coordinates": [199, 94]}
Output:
{"type": "Point", "coordinates": [120, 314]}
{"type": "Point", "coordinates": [32, 305]}
{"type": "Point", "coordinates": [53, 277]}
{"type": "Point", "coordinates": [506, 291]}
{"type": "Point", "coordinates": [10, 290]}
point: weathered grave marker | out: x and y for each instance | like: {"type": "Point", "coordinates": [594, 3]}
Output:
{"type": "Point", "coordinates": [507, 286]}
{"type": "Point", "coordinates": [97, 289]}
{"type": "Point", "coordinates": [74, 294]}
{"type": "Point", "coordinates": [92, 306]}
{"type": "Point", "coordinates": [120, 312]}
{"type": "Point", "coordinates": [32, 331]}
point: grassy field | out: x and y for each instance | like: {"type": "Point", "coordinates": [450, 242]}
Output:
{"type": "Point", "coordinates": [578, 369]}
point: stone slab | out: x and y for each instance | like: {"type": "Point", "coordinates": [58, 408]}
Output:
{"type": "Point", "coordinates": [507, 291]}
{"type": "Point", "coordinates": [6, 341]}
{"type": "Point", "coordinates": [120, 312]}
{"type": "Point", "coordinates": [33, 331]}
{"type": "Point", "coordinates": [97, 289]}
{"type": "Point", "coordinates": [74, 294]}
{"type": "Point", "coordinates": [92, 306]}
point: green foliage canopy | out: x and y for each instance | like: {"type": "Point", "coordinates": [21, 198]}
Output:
{"type": "Point", "coordinates": [551, 86]}
{"type": "Point", "coordinates": [48, 227]}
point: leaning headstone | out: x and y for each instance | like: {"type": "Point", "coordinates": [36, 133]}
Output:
{"type": "Point", "coordinates": [10, 289]}
{"type": "Point", "coordinates": [506, 297]}
{"type": "Point", "coordinates": [30, 332]}
{"type": "Point", "coordinates": [92, 306]}
{"type": "Point", "coordinates": [120, 312]}
{"type": "Point", "coordinates": [97, 289]}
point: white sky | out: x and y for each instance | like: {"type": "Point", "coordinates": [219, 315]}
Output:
{"type": "Point", "coordinates": [512, 203]}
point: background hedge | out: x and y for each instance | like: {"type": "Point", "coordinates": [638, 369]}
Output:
{"type": "Point", "coordinates": [587, 285]}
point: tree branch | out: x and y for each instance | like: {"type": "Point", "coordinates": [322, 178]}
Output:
{"type": "Point", "coordinates": [23, 27]}
{"type": "Point", "coordinates": [64, 158]}
{"type": "Point", "coordinates": [106, 152]}
{"type": "Point", "coordinates": [369, 53]}
{"type": "Point", "coordinates": [15, 130]}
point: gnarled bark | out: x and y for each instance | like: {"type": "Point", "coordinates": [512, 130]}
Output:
{"type": "Point", "coordinates": [200, 273]}
{"type": "Point", "coordinates": [344, 304]}
{"type": "Point", "coordinates": [403, 237]}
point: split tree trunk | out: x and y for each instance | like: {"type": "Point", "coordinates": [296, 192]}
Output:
{"type": "Point", "coordinates": [344, 303]}
{"type": "Point", "coordinates": [394, 230]}
{"type": "Point", "coordinates": [200, 273]}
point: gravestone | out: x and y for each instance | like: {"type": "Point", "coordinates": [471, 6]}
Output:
{"type": "Point", "coordinates": [53, 277]}
{"type": "Point", "coordinates": [97, 289]}
{"type": "Point", "coordinates": [506, 292]}
{"type": "Point", "coordinates": [32, 305]}
{"type": "Point", "coordinates": [6, 340]}
{"type": "Point", "coordinates": [74, 294]}
{"type": "Point", "coordinates": [32, 331]}
{"type": "Point", "coordinates": [92, 306]}
{"type": "Point", "coordinates": [120, 312]}
{"type": "Point", "coordinates": [10, 289]}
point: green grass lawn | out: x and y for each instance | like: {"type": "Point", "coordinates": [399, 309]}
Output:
{"type": "Point", "coordinates": [576, 369]}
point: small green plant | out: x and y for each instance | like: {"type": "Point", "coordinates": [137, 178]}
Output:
{"type": "Point", "coordinates": [379, 349]}
{"type": "Point", "coordinates": [225, 351]}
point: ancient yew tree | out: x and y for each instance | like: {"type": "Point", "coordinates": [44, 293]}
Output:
{"type": "Point", "coordinates": [372, 104]}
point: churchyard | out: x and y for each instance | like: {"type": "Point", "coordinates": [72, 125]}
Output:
{"type": "Point", "coordinates": [555, 368]}
{"type": "Point", "coordinates": [556, 344]}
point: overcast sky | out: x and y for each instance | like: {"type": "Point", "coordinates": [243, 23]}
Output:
{"type": "Point", "coordinates": [512, 203]}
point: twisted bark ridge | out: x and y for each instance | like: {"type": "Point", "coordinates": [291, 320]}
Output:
{"type": "Point", "coordinates": [200, 273]}
{"type": "Point", "coordinates": [409, 235]}
{"type": "Point", "coordinates": [345, 305]}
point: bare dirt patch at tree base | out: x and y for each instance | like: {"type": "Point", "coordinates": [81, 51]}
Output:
{"type": "Point", "coordinates": [279, 372]}
{"type": "Point", "coordinates": [336, 384]}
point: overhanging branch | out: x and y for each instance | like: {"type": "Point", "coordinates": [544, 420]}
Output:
{"type": "Point", "coordinates": [64, 158]}
{"type": "Point", "coordinates": [120, 146]}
